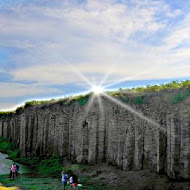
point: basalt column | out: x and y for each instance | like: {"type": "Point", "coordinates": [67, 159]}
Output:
{"type": "Point", "coordinates": [85, 141]}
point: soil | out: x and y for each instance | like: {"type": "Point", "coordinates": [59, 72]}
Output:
{"type": "Point", "coordinates": [117, 179]}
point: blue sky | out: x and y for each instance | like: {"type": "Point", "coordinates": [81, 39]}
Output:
{"type": "Point", "coordinates": [49, 48]}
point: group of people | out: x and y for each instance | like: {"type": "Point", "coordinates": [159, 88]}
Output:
{"type": "Point", "coordinates": [14, 172]}
{"type": "Point", "coordinates": [72, 180]}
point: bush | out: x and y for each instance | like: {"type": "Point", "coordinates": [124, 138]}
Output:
{"type": "Point", "coordinates": [180, 96]}
{"type": "Point", "coordinates": [139, 100]}
{"type": "Point", "coordinates": [9, 148]}
{"type": "Point", "coordinates": [5, 114]}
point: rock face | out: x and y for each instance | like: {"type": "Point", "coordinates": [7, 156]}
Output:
{"type": "Point", "coordinates": [108, 133]}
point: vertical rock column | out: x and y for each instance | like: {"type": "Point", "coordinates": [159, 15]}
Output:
{"type": "Point", "coordinates": [101, 130]}
{"type": "Point", "coordinates": [185, 143]}
{"type": "Point", "coordinates": [162, 145]}
{"type": "Point", "coordinates": [173, 145]}
{"type": "Point", "coordinates": [1, 128]}
{"type": "Point", "coordinates": [22, 145]}
{"type": "Point", "coordinates": [129, 145]}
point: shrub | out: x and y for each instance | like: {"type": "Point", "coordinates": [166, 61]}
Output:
{"type": "Point", "coordinates": [180, 96]}
{"type": "Point", "coordinates": [5, 114]}
{"type": "Point", "coordinates": [9, 148]}
{"type": "Point", "coordinates": [139, 100]}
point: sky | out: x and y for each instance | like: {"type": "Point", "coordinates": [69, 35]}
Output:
{"type": "Point", "coordinates": [52, 49]}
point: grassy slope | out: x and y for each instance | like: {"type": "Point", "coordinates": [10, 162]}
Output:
{"type": "Point", "coordinates": [45, 175]}
{"type": "Point", "coordinates": [45, 172]}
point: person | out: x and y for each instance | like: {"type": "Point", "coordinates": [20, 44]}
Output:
{"type": "Point", "coordinates": [75, 182]}
{"type": "Point", "coordinates": [17, 170]}
{"type": "Point", "coordinates": [13, 170]}
{"type": "Point", "coordinates": [64, 179]}
{"type": "Point", "coordinates": [71, 181]}
{"type": "Point", "coordinates": [10, 175]}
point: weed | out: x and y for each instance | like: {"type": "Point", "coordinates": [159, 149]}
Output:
{"type": "Point", "coordinates": [139, 100]}
{"type": "Point", "coordinates": [179, 96]}
{"type": "Point", "coordinates": [9, 148]}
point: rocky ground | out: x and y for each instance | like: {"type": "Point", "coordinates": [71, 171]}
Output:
{"type": "Point", "coordinates": [116, 179]}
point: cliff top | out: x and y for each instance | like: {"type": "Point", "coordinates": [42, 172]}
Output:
{"type": "Point", "coordinates": [181, 89]}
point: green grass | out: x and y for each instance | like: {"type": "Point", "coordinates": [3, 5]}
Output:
{"type": "Point", "coordinates": [6, 114]}
{"type": "Point", "coordinates": [139, 100]}
{"type": "Point", "coordinates": [45, 173]}
{"type": "Point", "coordinates": [32, 183]}
{"type": "Point", "coordinates": [81, 99]}
{"type": "Point", "coordinates": [168, 86]}
{"type": "Point", "coordinates": [152, 88]}
{"type": "Point", "coordinates": [180, 96]}
{"type": "Point", "coordinates": [39, 183]}
{"type": "Point", "coordinates": [50, 167]}
{"type": "Point", "coordinates": [9, 148]}
{"type": "Point", "coordinates": [176, 92]}
{"type": "Point", "coordinates": [35, 102]}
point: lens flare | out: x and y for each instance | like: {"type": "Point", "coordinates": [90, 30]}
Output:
{"type": "Point", "coordinates": [97, 89]}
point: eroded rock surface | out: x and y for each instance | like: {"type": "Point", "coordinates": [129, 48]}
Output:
{"type": "Point", "coordinates": [113, 135]}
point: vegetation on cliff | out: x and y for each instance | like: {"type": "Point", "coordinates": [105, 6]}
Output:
{"type": "Point", "coordinates": [181, 91]}
{"type": "Point", "coordinates": [9, 148]}
{"type": "Point", "coordinates": [174, 93]}
{"type": "Point", "coordinates": [174, 85]}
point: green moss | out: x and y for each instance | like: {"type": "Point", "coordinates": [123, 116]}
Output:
{"type": "Point", "coordinates": [35, 102]}
{"type": "Point", "coordinates": [83, 100]}
{"type": "Point", "coordinates": [7, 114]}
{"type": "Point", "coordinates": [179, 96]}
{"type": "Point", "coordinates": [139, 100]}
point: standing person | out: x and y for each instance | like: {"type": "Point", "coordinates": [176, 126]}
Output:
{"type": "Point", "coordinates": [75, 182]}
{"type": "Point", "coordinates": [10, 175]}
{"type": "Point", "coordinates": [71, 180]}
{"type": "Point", "coordinates": [64, 179]}
{"type": "Point", "coordinates": [17, 170]}
{"type": "Point", "coordinates": [13, 169]}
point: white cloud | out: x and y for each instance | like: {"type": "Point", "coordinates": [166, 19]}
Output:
{"type": "Point", "coordinates": [179, 33]}
{"type": "Point", "coordinates": [177, 37]}
{"type": "Point", "coordinates": [97, 18]}
{"type": "Point", "coordinates": [4, 106]}
{"type": "Point", "coordinates": [8, 90]}
{"type": "Point", "coordinates": [96, 35]}
{"type": "Point", "coordinates": [108, 19]}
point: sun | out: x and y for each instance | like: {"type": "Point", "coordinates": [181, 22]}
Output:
{"type": "Point", "coordinates": [97, 89]}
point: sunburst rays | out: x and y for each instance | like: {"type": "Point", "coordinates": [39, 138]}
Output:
{"type": "Point", "coordinates": [98, 91]}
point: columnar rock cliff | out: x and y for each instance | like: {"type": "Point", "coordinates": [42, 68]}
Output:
{"type": "Point", "coordinates": [112, 134]}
